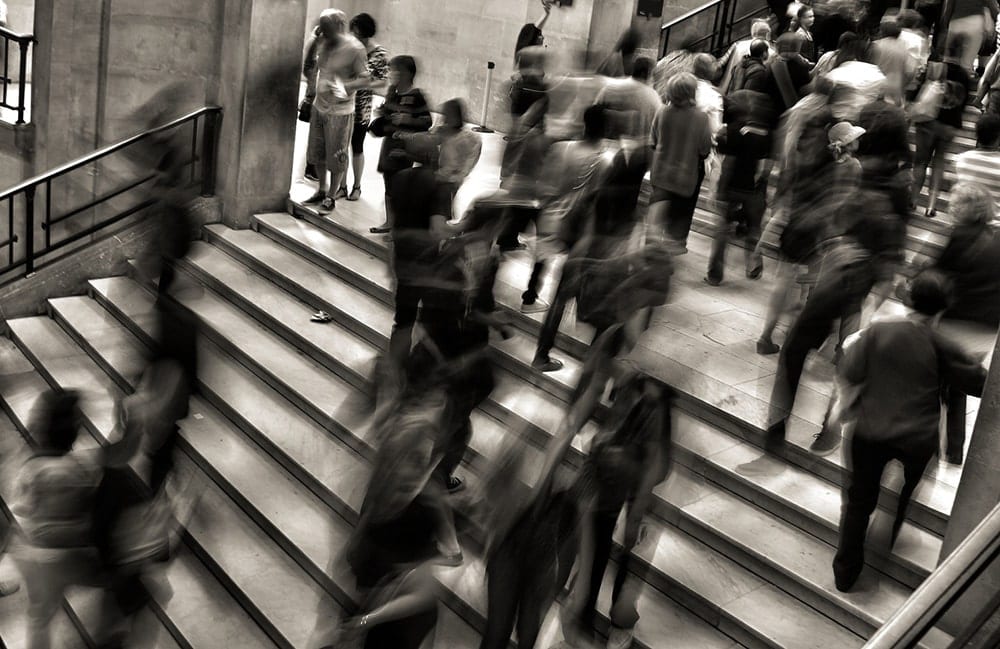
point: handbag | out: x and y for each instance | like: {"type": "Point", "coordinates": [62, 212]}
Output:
{"type": "Point", "coordinates": [931, 96]}
{"type": "Point", "coordinates": [305, 110]}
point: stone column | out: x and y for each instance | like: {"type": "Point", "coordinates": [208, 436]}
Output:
{"type": "Point", "coordinates": [261, 66]}
{"type": "Point", "coordinates": [978, 493]}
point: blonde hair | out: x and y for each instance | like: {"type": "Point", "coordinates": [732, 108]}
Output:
{"type": "Point", "coordinates": [971, 203]}
{"type": "Point", "coordinates": [682, 90]}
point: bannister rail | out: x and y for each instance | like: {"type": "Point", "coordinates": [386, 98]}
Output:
{"type": "Point", "coordinates": [942, 589]}
{"type": "Point", "coordinates": [15, 43]}
{"type": "Point", "coordinates": [60, 207]}
{"type": "Point", "coordinates": [714, 25]}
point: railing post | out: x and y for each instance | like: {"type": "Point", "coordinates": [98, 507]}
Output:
{"type": "Point", "coordinates": [209, 151]}
{"type": "Point", "coordinates": [29, 230]}
{"type": "Point", "coordinates": [21, 80]}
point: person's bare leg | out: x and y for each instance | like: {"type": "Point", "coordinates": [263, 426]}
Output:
{"type": "Point", "coordinates": [784, 280]}
{"type": "Point", "coordinates": [358, 162]}
{"type": "Point", "coordinates": [321, 173]}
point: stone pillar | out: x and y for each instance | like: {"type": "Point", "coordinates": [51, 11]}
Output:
{"type": "Point", "coordinates": [261, 67]}
{"type": "Point", "coordinates": [978, 493]}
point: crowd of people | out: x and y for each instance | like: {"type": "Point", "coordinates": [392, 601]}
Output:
{"type": "Point", "coordinates": [802, 144]}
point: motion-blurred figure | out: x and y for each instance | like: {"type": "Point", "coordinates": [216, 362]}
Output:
{"type": "Point", "coordinates": [56, 490]}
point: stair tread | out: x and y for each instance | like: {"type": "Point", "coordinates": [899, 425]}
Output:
{"type": "Point", "coordinates": [346, 474]}
{"type": "Point", "coordinates": [92, 322]}
{"type": "Point", "coordinates": [70, 367]}
{"type": "Point", "coordinates": [200, 609]}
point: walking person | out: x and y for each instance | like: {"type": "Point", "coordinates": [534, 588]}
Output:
{"type": "Point", "coordinates": [363, 27]}
{"type": "Point", "coordinates": [682, 140]}
{"type": "Point", "coordinates": [898, 369]}
{"type": "Point", "coordinates": [341, 70]}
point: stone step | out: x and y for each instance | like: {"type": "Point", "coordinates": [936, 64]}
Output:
{"type": "Point", "coordinates": [337, 475]}
{"type": "Point", "coordinates": [200, 610]}
{"type": "Point", "coordinates": [227, 275]}
{"type": "Point", "coordinates": [299, 378]}
{"type": "Point", "coordinates": [734, 410]}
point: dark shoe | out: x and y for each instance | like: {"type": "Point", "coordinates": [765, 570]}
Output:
{"type": "Point", "coordinates": [755, 272]}
{"type": "Point", "coordinates": [766, 347]}
{"type": "Point", "coordinates": [355, 194]}
{"type": "Point", "coordinates": [546, 364]}
{"type": "Point", "coordinates": [845, 582]}
{"type": "Point", "coordinates": [310, 173]}
{"type": "Point", "coordinates": [825, 441]}
{"type": "Point", "coordinates": [341, 193]}
{"type": "Point", "coordinates": [711, 281]}
{"type": "Point", "coordinates": [380, 229]}
{"type": "Point", "coordinates": [318, 197]}
{"type": "Point", "coordinates": [454, 485]}
{"type": "Point", "coordinates": [952, 457]}
{"type": "Point", "coordinates": [328, 205]}
{"type": "Point", "coordinates": [774, 436]}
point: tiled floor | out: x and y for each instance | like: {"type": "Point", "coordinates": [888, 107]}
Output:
{"type": "Point", "coordinates": [704, 337]}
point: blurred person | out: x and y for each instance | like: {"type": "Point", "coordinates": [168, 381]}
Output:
{"type": "Point", "coordinates": [969, 23]}
{"type": "Point", "coordinates": [682, 140]}
{"type": "Point", "coordinates": [53, 504]}
{"type": "Point", "coordinates": [833, 18]}
{"type": "Point", "coordinates": [856, 81]}
{"type": "Point", "coordinates": [341, 70]}
{"type": "Point", "coordinates": [760, 30]}
{"type": "Point", "coordinates": [573, 172]}
{"type": "Point", "coordinates": [885, 155]}
{"type": "Point", "coordinates": [971, 262]}
{"type": "Point", "coordinates": [891, 55]}
{"type": "Point", "coordinates": [933, 136]}
{"type": "Point", "coordinates": [632, 101]}
{"type": "Point", "coordinates": [982, 164]}
{"type": "Point", "coordinates": [988, 91]}
{"type": "Point", "coordinates": [606, 235]}
{"type": "Point", "coordinates": [805, 18]}
{"type": "Point", "coordinates": [449, 147]}
{"type": "Point", "coordinates": [899, 368]}
{"type": "Point", "coordinates": [745, 142]}
{"type": "Point", "coordinates": [673, 63]}
{"type": "Point", "coordinates": [308, 72]}
{"type": "Point", "coordinates": [531, 33]}
{"type": "Point", "coordinates": [363, 28]}
{"type": "Point", "coordinates": [913, 34]}
{"type": "Point", "coordinates": [621, 61]}
{"type": "Point", "coordinates": [780, 12]}
{"type": "Point", "coordinates": [850, 47]}
{"type": "Point", "coordinates": [629, 457]}
{"type": "Point", "coordinates": [405, 111]}
{"type": "Point", "coordinates": [395, 542]}
{"type": "Point", "coordinates": [752, 72]}
{"type": "Point", "coordinates": [788, 73]}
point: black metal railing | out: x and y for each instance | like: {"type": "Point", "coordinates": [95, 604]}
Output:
{"type": "Point", "coordinates": [14, 95]}
{"type": "Point", "coordinates": [58, 208]}
{"type": "Point", "coordinates": [712, 27]}
{"type": "Point", "coordinates": [937, 596]}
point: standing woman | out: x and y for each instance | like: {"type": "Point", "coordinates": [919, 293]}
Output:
{"type": "Point", "coordinates": [531, 33]}
{"type": "Point", "coordinates": [363, 28]}
{"type": "Point", "coordinates": [806, 18]}
{"type": "Point", "coordinates": [682, 139]}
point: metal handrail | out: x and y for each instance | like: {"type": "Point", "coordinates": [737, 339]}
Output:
{"type": "Point", "coordinates": [202, 161]}
{"type": "Point", "coordinates": [942, 588]}
{"type": "Point", "coordinates": [23, 41]}
{"type": "Point", "coordinates": [721, 35]}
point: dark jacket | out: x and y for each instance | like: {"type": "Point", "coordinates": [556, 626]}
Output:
{"type": "Point", "coordinates": [972, 261]}
{"type": "Point", "coordinates": [752, 75]}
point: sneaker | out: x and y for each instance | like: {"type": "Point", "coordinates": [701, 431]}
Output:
{"type": "Point", "coordinates": [310, 173]}
{"type": "Point", "coordinates": [380, 229]}
{"type": "Point", "coordinates": [546, 364]}
{"type": "Point", "coordinates": [318, 197]}
{"type": "Point", "coordinates": [9, 588]}
{"type": "Point", "coordinates": [327, 205]}
{"type": "Point", "coordinates": [341, 193]}
{"type": "Point", "coordinates": [454, 485]}
{"type": "Point", "coordinates": [538, 306]}
{"type": "Point", "coordinates": [825, 441]}
{"type": "Point", "coordinates": [766, 347]}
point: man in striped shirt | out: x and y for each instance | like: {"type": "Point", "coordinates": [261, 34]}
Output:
{"type": "Point", "coordinates": [982, 164]}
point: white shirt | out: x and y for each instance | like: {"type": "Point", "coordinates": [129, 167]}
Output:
{"type": "Point", "coordinates": [983, 167]}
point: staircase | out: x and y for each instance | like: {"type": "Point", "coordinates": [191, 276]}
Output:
{"type": "Point", "coordinates": [278, 447]}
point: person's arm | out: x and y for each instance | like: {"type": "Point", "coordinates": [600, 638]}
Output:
{"type": "Point", "coordinates": [359, 73]}
{"type": "Point", "coordinates": [309, 67]}
{"type": "Point", "coordinates": [419, 119]}
{"type": "Point", "coordinates": [988, 77]}
{"type": "Point", "coordinates": [547, 8]}
{"type": "Point", "coordinates": [961, 370]}
{"type": "Point", "coordinates": [378, 71]}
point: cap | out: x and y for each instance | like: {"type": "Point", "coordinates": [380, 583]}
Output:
{"type": "Point", "coordinates": [845, 133]}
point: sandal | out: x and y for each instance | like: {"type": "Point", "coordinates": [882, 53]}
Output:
{"type": "Point", "coordinates": [328, 204]}
{"type": "Point", "coordinates": [380, 229]}
{"type": "Point", "coordinates": [322, 317]}
{"type": "Point", "coordinates": [341, 192]}
{"type": "Point", "coordinates": [355, 194]}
